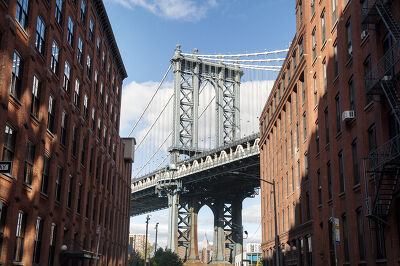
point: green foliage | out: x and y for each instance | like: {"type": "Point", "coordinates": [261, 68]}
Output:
{"type": "Point", "coordinates": [165, 258]}
{"type": "Point", "coordinates": [135, 259]}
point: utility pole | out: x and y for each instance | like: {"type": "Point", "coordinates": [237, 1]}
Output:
{"type": "Point", "coordinates": [276, 226]}
{"type": "Point", "coordinates": [155, 246]}
{"type": "Point", "coordinates": [145, 245]}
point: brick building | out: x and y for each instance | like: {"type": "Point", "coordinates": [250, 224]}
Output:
{"type": "Point", "coordinates": [330, 138]}
{"type": "Point", "coordinates": [60, 97]}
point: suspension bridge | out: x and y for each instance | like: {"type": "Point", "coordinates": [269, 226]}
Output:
{"type": "Point", "coordinates": [198, 145]}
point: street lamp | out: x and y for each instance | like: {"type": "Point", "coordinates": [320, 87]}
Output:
{"type": "Point", "coordinates": [245, 232]}
{"type": "Point", "coordinates": [145, 245]}
{"type": "Point", "coordinates": [254, 177]}
{"type": "Point", "coordinates": [155, 246]}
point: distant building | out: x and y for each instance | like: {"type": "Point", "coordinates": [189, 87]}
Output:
{"type": "Point", "coordinates": [137, 243]}
{"type": "Point", "coordinates": [206, 251]}
{"type": "Point", "coordinates": [249, 258]}
{"type": "Point", "coordinates": [253, 247]}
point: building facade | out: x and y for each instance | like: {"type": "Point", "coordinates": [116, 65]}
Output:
{"type": "Point", "coordinates": [330, 138]}
{"type": "Point", "coordinates": [138, 242]}
{"type": "Point", "coordinates": [60, 98]}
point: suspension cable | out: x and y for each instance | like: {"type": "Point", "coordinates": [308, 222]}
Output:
{"type": "Point", "coordinates": [242, 60]}
{"type": "Point", "coordinates": [151, 127]}
{"type": "Point", "coordinates": [239, 55]}
{"type": "Point", "coordinates": [152, 97]}
{"type": "Point", "coordinates": [158, 149]}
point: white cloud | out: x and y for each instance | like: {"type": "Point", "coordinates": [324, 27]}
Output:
{"type": "Point", "coordinates": [189, 10]}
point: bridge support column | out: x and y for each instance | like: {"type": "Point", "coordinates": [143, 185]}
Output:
{"type": "Point", "coordinates": [237, 227]}
{"type": "Point", "coordinates": [193, 250]}
{"type": "Point", "coordinates": [219, 234]}
{"type": "Point", "coordinates": [173, 206]}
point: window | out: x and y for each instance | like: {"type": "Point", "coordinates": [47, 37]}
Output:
{"type": "Point", "coordinates": [298, 173]}
{"type": "Point", "coordinates": [348, 39]}
{"type": "Point", "coordinates": [88, 67]}
{"type": "Point", "coordinates": [93, 119]}
{"type": "Point", "coordinates": [317, 137]}
{"type": "Point", "coordinates": [51, 114]}
{"type": "Point", "coordinates": [360, 234]}
{"type": "Point", "coordinates": [79, 53]}
{"type": "Point", "coordinates": [336, 60]}
{"type": "Point", "coordinates": [58, 184]}
{"type": "Point", "coordinates": [101, 92]}
{"type": "Point", "coordinates": [64, 121]}
{"type": "Point", "coordinates": [325, 76]}
{"type": "Point", "coordinates": [104, 61]}
{"type": "Point", "coordinates": [323, 27]}
{"type": "Point", "coordinates": [98, 46]}
{"type": "Point", "coordinates": [364, 26]}
{"type": "Point", "coordinates": [105, 136]}
{"type": "Point", "coordinates": [315, 90]}
{"type": "Point", "coordinates": [326, 125]}
{"type": "Point", "coordinates": [3, 216]}
{"type": "Point", "coordinates": [304, 127]}
{"type": "Point", "coordinates": [20, 237]}
{"type": "Point", "coordinates": [98, 127]}
{"type": "Point", "coordinates": [297, 135]}
{"type": "Point", "coordinates": [16, 77]}
{"type": "Point", "coordinates": [54, 57]}
{"type": "Point", "coordinates": [314, 44]}
{"type": "Point", "coordinates": [85, 107]}
{"type": "Point", "coordinates": [67, 76]}
{"type": "Point", "coordinates": [58, 13]}
{"type": "Point", "coordinates": [40, 29]}
{"type": "Point", "coordinates": [300, 47]}
{"type": "Point", "coordinates": [91, 29]}
{"type": "Point", "coordinates": [69, 195]}
{"type": "Point", "coordinates": [29, 160]}
{"type": "Point", "coordinates": [45, 174]}
{"type": "Point", "coordinates": [52, 247]}
{"type": "Point", "coordinates": [96, 84]}
{"type": "Point", "coordinates": [108, 71]}
{"type": "Point", "coordinates": [83, 11]}
{"type": "Point", "coordinates": [334, 12]}
{"type": "Point", "coordinates": [38, 240]}
{"type": "Point", "coordinates": [341, 172]}
{"type": "Point", "coordinates": [74, 140]}
{"type": "Point", "coordinates": [372, 137]}
{"type": "Point", "coordinates": [328, 165]}
{"type": "Point", "coordinates": [308, 250]}
{"type": "Point", "coordinates": [367, 77]}
{"type": "Point", "coordinates": [77, 97]}
{"type": "Point", "coordinates": [356, 170]}
{"type": "Point", "coordinates": [351, 95]}
{"type": "Point", "coordinates": [338, 119]}
{"type": "Point", "coordinates": [106, 102]}
{"type": "Point", "coordinates": [70, 32]}
{"type": "Point", "coordinates": [83, 152]}
{"type": "Point", "coordinates": [9, 144]}
{"type": "Point", "coordinates": [35, 104]}
{"type": "Point", "coordinates": [308, 209]}
{"type": "Point", "coordinates": [22, 13]}
{"type": "Point", "coordinates": [319, 187]}
{"type": "Point", "coordinates": [312, 7]}
{"type": "Point", "coordinates": [78, 207]}
{"type": "Point", "coordinates": [345, 239]}
{"type": "Point", "coordinates": [380, 242]}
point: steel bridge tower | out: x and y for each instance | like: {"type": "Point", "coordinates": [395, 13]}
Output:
{"type": "Point", "coordinates": [190, 73]}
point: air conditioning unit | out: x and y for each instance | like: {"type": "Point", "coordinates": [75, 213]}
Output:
{"type": "Point", "coordinates": [350, 50]}
{"type": "Point", "coordinates": [364, 34]}
{"type": "Point", "coordinates": [387, 78]}
{"type": "Point", "coordinates": [348, 115]}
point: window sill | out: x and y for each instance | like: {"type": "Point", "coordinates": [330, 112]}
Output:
{"type": "Point", "coordinates": [349, 61]}
{"type": "Point", "coordinates": [14, 101]}
{"type": "Point", "coordinates": [334, 26]}
{"type": "Point", "coordinates": [356, 187]}
{"type": "Point", "coordinates": [346, 7]}
{"type": "Point", "coordinates": [362, 262]}
{"type": "Point", "coordinates": [50, 133]}
{"type": "Point", "coordinates": [338, 135]}
{"type": "Point", "coordinates": [17, 263]}
{"type": "Point", "coordinates": [9, 176]}
{"type": "Point", "coordinates": [335, 80]}
{"type": "Point", "coordinates": [43, 195]}
{"type": "Point", "coordinates": [314, 60]}
{"type": "Point", "coordinates": [27, 186]}
{"type": "Point", "coordinates": [319, 206]}
{"type": "Point", "coordinates": [327, 146]}
{"type": "Point", "coordinates": [342, 194]}
{"type": "Point", "coordinates": [35, 120]}
{"type": "Point", "coordinates": [363, 41]}
{"type": "Point", "coordinates": [330, 202]}
{"type": "Point", "coordinates": [324, 44]}
{"type": "Point", "coordinates": [369, 106]}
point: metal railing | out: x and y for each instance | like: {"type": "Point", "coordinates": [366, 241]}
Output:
{"type": "Point", "coordinates": [385, 153]}
{"type": "Point", "coordinates": [388, 65]}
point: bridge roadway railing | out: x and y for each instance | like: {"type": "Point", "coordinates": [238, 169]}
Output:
{"type": "Point", "coordinates": [237, 150]}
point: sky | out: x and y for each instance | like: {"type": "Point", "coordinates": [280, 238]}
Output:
{"type": "Point", "coordinates": [147, 32]}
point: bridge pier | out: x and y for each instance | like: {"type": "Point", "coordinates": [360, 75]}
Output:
{"type": "Point", "coordinates": [193, 249]}
{"type": "Point", "coordinates": [173, 205]}
{"type": "Point", "coordinates": [219, 233]}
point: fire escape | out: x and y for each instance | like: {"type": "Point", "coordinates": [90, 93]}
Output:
{"type": "Point", "coordinates": [382, 165]}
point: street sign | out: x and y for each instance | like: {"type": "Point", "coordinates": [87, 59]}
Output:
{"type": "Point", "coordinates": [5, 167]}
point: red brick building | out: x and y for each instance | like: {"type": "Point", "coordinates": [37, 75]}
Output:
{"type": "Point", "coordinates": [330, 138]}
{"type": "Point", "coordinates": [60, 97]}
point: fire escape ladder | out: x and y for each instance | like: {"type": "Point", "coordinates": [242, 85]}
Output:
{"type": "Point", "coordinates": [392, 96]}
{"type": "Point", "coordinates": [386, 186]}
{"type": "Point", "coordinates": [388, 20]}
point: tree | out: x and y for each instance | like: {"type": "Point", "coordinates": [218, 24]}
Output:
{"type": "Point", "coordinates": [135, 259]}
{"type": "Point", "coordinates": [165, 258]}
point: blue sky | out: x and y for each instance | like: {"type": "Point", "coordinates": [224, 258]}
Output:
{"type": "Point", "coordinates": [147, 32]}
